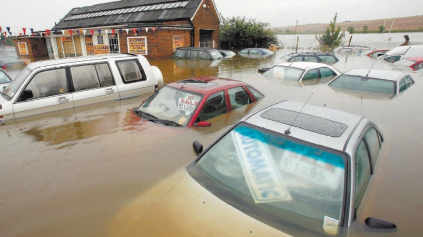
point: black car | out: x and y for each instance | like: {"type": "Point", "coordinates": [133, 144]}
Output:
{"type": "Point", "coordinates": [197, 53]}
{"type": "Point", "coordinates": [317, 57]}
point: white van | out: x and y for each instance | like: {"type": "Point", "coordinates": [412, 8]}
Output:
{"type": "Point", "coordinates": [401, 52]}
{"type": "Point", "coordinates": [53, 85]}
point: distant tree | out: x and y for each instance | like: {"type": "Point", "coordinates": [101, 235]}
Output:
{"type": "Point", "coordinates": [365, 29]}
{"type": "Point", "coordinates": [350, 29]}
{"type": "Point", "coordinates": [333, 35]}
{"type": "Point", "coordinates": [287, 31]}
{"type": "Point", "coordinates": [4, 40]}
{"type": "Point", "coordinates": [381, 29]}
{"type": "Point", "coordinates": [239, 33]}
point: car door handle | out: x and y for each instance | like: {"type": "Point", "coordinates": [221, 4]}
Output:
{"type": "Point", "coordinates": [109, 91]}
{"type": "Point", "coordinates": [62, 100]}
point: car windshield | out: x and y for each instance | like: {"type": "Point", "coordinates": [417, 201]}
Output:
{"type": "Point", "coordinates": [366, 84]}
{"type": "Point", "coordinates": [276, 177]}
{"type": "Point", "coordinates": [284, 73]}
{"type": "Point", "coordinates": [13, 87]}
{"type": "Point", "coordinates": [171, 105]}
{"type": "Point", "coordinates": [4, 78]}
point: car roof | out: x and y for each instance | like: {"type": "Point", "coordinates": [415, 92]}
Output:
{"type": "Point", "coordinates": [315, 124]}
{"type": "Point", "coordinates": [196, 48]}
{"type": "Point", "coordinates": [303, 65]}
{"type": "Point", "coordinates": [310, 53]}
{"type": "Point", "coordinates": [51, 62]}
{"type": "Point", "coordinates": [375, 73]}
{"type": "Point", "coordinates": [203, 85]}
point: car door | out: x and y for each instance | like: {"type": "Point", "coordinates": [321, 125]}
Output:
{"type": "Point", "coordinates": [214, 106]}
{"type": "Point", "coordinates": [46, 91]}
{"type": "Point", "coordinates": [92, 84]}
{"type": "Point", "coordinates": [134, 79]}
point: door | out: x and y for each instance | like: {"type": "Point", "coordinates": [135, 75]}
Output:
{"type": "Point", "coordinates": [92, 84]}
{"type": "Point", "coordinates": [47, 91]}
{"type": "Point", "coordinates": [206, 38]}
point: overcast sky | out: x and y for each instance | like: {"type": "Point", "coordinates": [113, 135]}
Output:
{"type": "Point", "coordinates": [42, 14]}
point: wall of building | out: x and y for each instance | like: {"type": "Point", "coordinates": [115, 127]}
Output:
{"type": "Point", "coordinates": [36, 48]}
{"type": "Point", "coordinates": [206, 18]}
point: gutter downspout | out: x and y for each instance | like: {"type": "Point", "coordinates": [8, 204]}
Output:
{"type": "Point", "coordinates": [192, 34]}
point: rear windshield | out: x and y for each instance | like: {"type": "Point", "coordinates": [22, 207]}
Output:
{"type": "Point", "coordinates": [284, 73]}
{"type": "Point", "coordinates": [365, 84]}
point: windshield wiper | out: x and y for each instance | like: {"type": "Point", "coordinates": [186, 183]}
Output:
{"type": "Point", "coordinates": [170, 123]}
{"type": "Point", "coordinates": [147, 116]}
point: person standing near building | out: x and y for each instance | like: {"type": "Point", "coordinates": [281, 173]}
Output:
{"type": "Point", "coordinates": [407, 41]}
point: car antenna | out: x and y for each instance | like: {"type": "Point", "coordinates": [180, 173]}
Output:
{"type": "Point", "coordinates": [288, 131]}
{"type": "Point", "coordinates": [183, 85]}
{"type": "Point", "coordinates": [371, 68]}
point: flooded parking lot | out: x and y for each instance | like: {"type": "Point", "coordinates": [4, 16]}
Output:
{"type": "Point", "coordinates": [74, 172]}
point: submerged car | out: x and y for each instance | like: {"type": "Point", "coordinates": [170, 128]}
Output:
{"type": "Point", "coordinates": [317, 57]}
{"type": "Point", "coordinates": [374, 53]}
{"type": "Point", "coordinates": [353, 49]}
{"type": "Point", "coordinates": [288, 170]}
{"type": "Point", "coordinates": [255, 52]}
{"type": "Point", "coordinates": [307, 72]}
{"type": "Point", "coordinates": [197, 53]}
{"type": "Point", "coordinates": [373, 81]}
{"type": "Point", "coordinates": [227, 53]}
{"type": "Point", "coordinates": [401, 52]}
{"type": "Point", "coordinates": [4, 80]}
{"type": "Point", "coordinates": [196, 101]}
{"type": "Point", "coordinates": [52, 85]}
{"type": "Point", "coordinates": [11, 64]}
{"type": "Point", "coordinates": [413, 63]}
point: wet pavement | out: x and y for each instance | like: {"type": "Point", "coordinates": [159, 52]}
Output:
{"type": "Point", "coordinates": [71, 173]}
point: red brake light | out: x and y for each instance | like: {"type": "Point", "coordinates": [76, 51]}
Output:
{"type": "Point", "coordinates": [4, 67]}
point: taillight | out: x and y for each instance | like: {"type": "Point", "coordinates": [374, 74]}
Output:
{"type": "Point", "coordinates": [4, 67]}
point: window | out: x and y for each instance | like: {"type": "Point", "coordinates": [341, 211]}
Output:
{"type": "Point", "coordinates": [392, 58]}
{"type": "Point", "coordinates": [84, 77]}
{"type": "Point", "coordinates": [296, 59]}
{"type": "Point", "coordinates": [205, 55]}
{"type": "Point", "coordinates": [254, 51]}
{"type": "Point", "coordinates": [409, 81]}
{"type": "Point", "coordinates": [326, 72]}
{"type": "Point", "coordinates": [328, 59]}
{"type": "Point", "coordinates": [193, 54]}
{"type": "Point", "coordinates": [104, 74]}
{"type": "Point", "coordinates": [402, 85]}
{"type": "Point", "coordinates": [418, 66]}
{"type": "Point", "coordinates": [238, 97]}
{"type": "Point", "coordinates": [214, 106]}
{"type": "Point", "coordinates": [113, 43]}
{"type": "Point", "coordinates": [310, 59]}
{"type": "Point", "coordinates": [49, 83]}
{"type": "Point", "coordinates": [256, 94]}
{"type": "Point", "coordinates": [130, 71]}
{"type": "Point", "coordinates": [362, 172]}
{"type": "Point", "coordinates": [374, 142]}
{"type": "Point", "coordinates": [311, 74]}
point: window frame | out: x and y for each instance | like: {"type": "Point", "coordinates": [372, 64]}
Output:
{"type": "Point", "coordinates": [98, 78]}
{"type": "Point", "coordinates": [137, 62]}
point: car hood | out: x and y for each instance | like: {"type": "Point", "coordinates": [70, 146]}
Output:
{"type": "Point", "coordinates": [179, 206]}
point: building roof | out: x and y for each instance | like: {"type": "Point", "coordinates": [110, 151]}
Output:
{"type": "Point", "coordinates": [123, 13]}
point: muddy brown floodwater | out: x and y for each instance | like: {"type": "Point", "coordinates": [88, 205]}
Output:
{"type": "Point", "coordinates": [71, 173]}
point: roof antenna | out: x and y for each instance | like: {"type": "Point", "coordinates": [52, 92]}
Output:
{"type": "Point", "coordinates": [288, 131]}
{"type": "Point", "coordinates": [183, 85]}
{"type": "Point", "coordinates": [371, 68]}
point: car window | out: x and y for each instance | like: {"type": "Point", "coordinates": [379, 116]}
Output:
{"type": "Point", "coordinates": [311, 74]}
{"type": "Point", "coordinates": [284, 73]}
{"type": "Point", "coordinates": [4, 78]}
{"type": "Point", "coordinates": [179, 53]}
{"type": "Point", "coordinates": [418, 66]}
{"type": "Point", "coordinates": [310, 59]}
{"type": "Point", "coordinates": [328, 59]}
{"type": "Point", "coordinates": [374, 143]}
{"type": "Point", "coordinates": [392, 58]}
{"type": "Point", "coordinates": [402, 85]}
{"type": "Point", "coordinates": [327, 73]}
{"type": "Point", "coordinates": [205, 55]}
{"type": "Point", "coordinates": [362, 171]}
{"type": "Point", "coordinates": [358, 83]}
{"type": "Point", "coordinates": [84, 77]}
{"type": "Point", "coordinates": [130, 71]}
{"type": "Point", "coordinates": [296, 59]}
{"type": "Point", "coordinates": [48, 83]}
{"type": "Point", "coordinates": [238, 97]}
{"type": "Point", "coordinates": [104, 74]}
{"type": "Point", "coordinates": [193, 54]}
{"type": "Point", "coordinates": [254, 51]}
{"type": "Point", "coordinates": [409, 81]}
{"type": "Point", "coordinates": [214, 106]}
{"type": "Point", "coordinates": [256, 94]}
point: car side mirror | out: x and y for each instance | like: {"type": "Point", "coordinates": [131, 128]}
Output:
{"type": "Point", "coordinates": [379, 223]}
{"type": "Point", "coordinates": [202, 124]}
{"type": "Point", "coordinates": [26, 94]}
{"type": "Point", "coordinates": [197, 147]}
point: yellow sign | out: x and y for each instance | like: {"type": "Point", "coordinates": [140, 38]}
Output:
{"type": "Point", "coordinates": [178, 41]}
{"type": "Point", "coordinates": [101, 49]}
{"type": "Point", "coordinates": [137, 45]}
{"type": "Point", "coordinates": [89, 44]}
{"type": "Point", "coordinates": [23, 49]}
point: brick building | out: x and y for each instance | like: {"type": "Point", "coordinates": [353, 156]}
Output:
{"type": "Point", "coordinates": [153, 28]}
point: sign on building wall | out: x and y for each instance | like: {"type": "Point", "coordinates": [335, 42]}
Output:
{"type": "Point", "coordinates": [23, 49]}
{"type": "Point", "coordinates": [178, 41]}
{"type": "Point", "coordinates": [137, 45]}
{"type": "Point", "coordinates": [101, 49]}
{"type": "Point", "coordinates": [66, 39]}
{"type": "Point", "coordinates": [89, 44]}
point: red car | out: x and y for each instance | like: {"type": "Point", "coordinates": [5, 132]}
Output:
{"type": "Point", "coordinates": [194, 101]}
{"type": "Point", "coordinates": [415, 63]}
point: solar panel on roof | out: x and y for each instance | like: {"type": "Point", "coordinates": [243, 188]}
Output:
{"type": "Point", "coordinates": [159, 6]}
{"type": "Point", "coordinates": [171, 5]}
{"type": "Point", "coordinates": [177, 4]}
{"type": "Point", "coordinates": [147, 8]}
{"type": "Point", "coordinates": [184, 4]}
{"type": "Point", "coordinates": [153, 7]}
{"type": "Point", "coordinates": [165, 5]}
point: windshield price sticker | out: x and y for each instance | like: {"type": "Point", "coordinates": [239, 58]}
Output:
{"type": "Point", "coordinates": [258, 166]}
{"type": "Point", "coordinates": [313, 170]}
{"type": "Point", "coordinates": [330, 225]}
{"type": "Point", "coordinates": [188, 104]}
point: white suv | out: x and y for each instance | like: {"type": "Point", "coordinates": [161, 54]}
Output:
{"type": "Point", "coordinates": [53, 85]}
